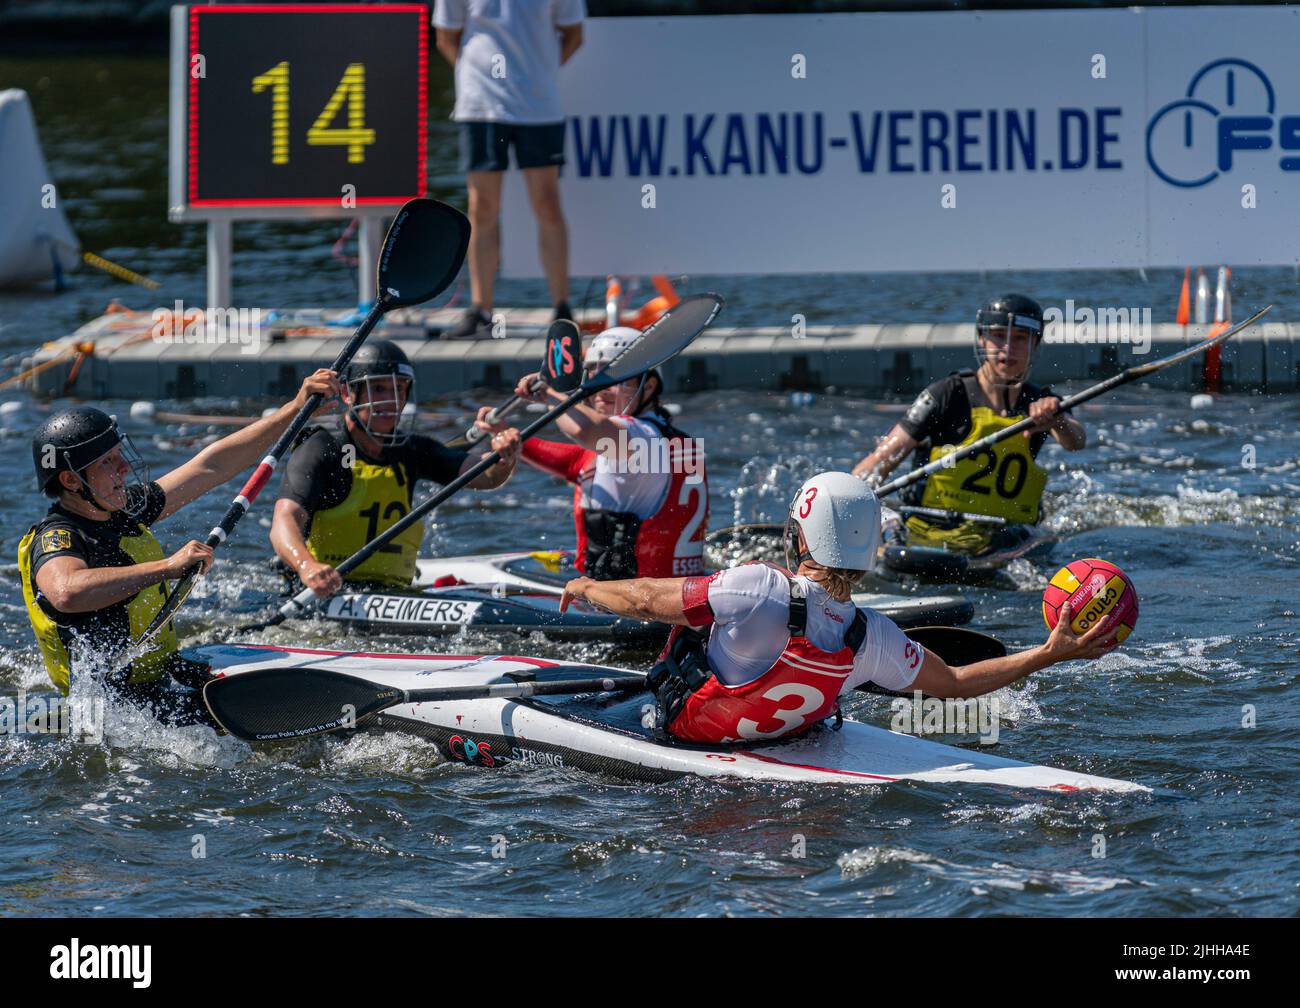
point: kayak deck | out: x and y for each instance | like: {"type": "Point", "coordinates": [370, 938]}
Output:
{"type": "Point", "coordinates": [604, 734]}
{"type": "Point", "coordinates": [547, 572]}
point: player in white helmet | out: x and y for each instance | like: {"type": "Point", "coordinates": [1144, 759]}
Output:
{"type": "Point", "coordinates": [641, 497]}
{"type": "Point", "coordinates": [759, 652]}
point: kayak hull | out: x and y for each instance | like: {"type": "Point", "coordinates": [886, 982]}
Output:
{"type": "Point", "coordinates": [600, 734]}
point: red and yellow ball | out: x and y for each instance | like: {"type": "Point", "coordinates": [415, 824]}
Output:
{"type": "Point", "coordinates": [1096, 590]}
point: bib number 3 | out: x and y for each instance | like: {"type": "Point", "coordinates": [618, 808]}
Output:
{"type": "Point", "coordinates": [790, 719]}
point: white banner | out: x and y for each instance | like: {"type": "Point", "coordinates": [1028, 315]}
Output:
{"type": "Point", "coordinates": [930, 141]}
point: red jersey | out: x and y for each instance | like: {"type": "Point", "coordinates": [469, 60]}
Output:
{"type": "Point", "coordinates": [613, 540]}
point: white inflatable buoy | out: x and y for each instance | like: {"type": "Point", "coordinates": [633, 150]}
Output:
{"type": "Point", "coordinates": [11, 408]}
{"type": "Point", "coordinates": [1201, 401]}
{"type": "Point", "coordinates": [673, 409]}
{"type": "Point", "coordinates": [270, 411]}
{"type": "Point", "coordinates": [143, 412]}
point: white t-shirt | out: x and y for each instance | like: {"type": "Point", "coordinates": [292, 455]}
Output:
{"type": "Point", "coordinates": [621, 481]}
{"type": "Point", "coordinates": [509, 63]}
{"type": "Point", "coordinates": [751, 607]}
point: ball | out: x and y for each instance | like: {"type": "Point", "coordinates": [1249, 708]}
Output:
{"type": "Point", "coordinates": [1096, 590]}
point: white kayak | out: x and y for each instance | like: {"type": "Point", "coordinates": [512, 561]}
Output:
{"type": "Point", "coordinates": [547, 571]}
{"type": "Point", "coordinates": [603, 733]}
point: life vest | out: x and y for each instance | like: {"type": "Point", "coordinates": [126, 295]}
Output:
{"type": "Point", "coordinates": [800, 689]}
{"type": "Point", "coordinates": [380, 496]}
{"type": "Point", "coordinates": [670, 543]}
{"type": "Point", "coordinates": [53, 637]}
{"type": "Point", "coordinates": [1002, 481]}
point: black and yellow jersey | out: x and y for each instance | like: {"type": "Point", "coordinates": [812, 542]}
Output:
{"type": "Point", "coordinates": [351, 497]}
{"type": "Point", "coordinates": [118, 541]}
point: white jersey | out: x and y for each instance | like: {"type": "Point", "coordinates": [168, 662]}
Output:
{"type": "Point", "coordinates": [509, 63]}
{"type": "Point", "coordinates": [631, 476]}
{"type": "Point", "coordinates": [751, 609]}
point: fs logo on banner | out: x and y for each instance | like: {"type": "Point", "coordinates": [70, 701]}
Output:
{"type": "Point", "coordinates": [1230, 106]}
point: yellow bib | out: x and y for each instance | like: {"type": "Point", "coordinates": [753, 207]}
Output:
{"type": "Point", "coordinates": [140, 611]}
{"type": "Point", "coordinates": [1003, 481]}
{"type": "Point", "coordinates": [378, 499]}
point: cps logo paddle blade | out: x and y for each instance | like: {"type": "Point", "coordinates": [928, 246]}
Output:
{"type": "Point", "coordinates": [563, 369]}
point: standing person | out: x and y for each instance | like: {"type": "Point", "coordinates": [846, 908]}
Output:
{"type": "Point", "coordinates": [94, 576]}
{"type": "Point", "coordinates": [762, 652]}
{"type": "Point", "coordinates": [1002, 482]}
{"type": "Point", "coordinates": [343, 488]}
{"type": "Point", "coordinates": [507, 56]}
{"type": "Point", "coordinates": [641, 493]}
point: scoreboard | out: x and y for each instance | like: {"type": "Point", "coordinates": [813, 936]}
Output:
{"type": "Point", "coordinates": [297, 110]}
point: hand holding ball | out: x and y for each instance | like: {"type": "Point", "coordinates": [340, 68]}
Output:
{"type": "Point", "coordinates": [1096, 591]}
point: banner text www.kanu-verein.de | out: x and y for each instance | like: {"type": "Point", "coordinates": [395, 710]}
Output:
{"type": "Point", "coordinates": [810, 143]}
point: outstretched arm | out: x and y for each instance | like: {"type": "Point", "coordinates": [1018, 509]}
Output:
{"type": "Point", "coordinates": [657, 599]}
{"type": "Point", "coordinates": [223, 460]}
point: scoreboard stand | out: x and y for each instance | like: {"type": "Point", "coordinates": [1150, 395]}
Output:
{"type": "Point", "coordinates": [296, 111]}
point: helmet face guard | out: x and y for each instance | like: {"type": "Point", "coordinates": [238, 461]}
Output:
{"type": "Point", "coordinates": [135, 487]}
{"type": "Point", "coordinates": [1004, 319]}
{"type": "Point", "coordinates": [383, 395]}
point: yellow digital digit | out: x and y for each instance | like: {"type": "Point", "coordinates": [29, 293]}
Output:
{"type": "Point", "coordinates": [351, 89]}
{"type": "Point", "coordinates": [277, 79]}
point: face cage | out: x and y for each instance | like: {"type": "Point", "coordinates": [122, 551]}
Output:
{"type": "Point", "coordinates": [636, 396]}
{"type": "Point", "coordinates": [136, 488]}
{"type": "Point", "coordinates": [1013, 322]}
{"type": "Point", "coordinates": [790, 540]}
{"type": "Point", "coordinates": [376, 387]}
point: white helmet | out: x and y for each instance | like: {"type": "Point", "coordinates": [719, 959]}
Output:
{"type": "Point", "coordinates": [839, 516]}
{"type": "Point", "coordinates": [609, 344]}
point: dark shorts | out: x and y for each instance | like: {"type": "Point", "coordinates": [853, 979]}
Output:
{"type": "Point", "coordinates": [485, 146]}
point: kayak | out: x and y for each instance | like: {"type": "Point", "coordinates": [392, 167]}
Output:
{"type": "Point", "coordinates": [534, 580]}
{"type": "Point", "coordinates": [898, 557]}
{"type": "Point", "coordinates": [604, 734]}
{"type": "Point", "coordinates": [502, 607]}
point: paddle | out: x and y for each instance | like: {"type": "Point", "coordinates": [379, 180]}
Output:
{"type": "Point", "coordinates": [955, 645]}
{"type": "Point", "coordinates": [287, 703]}
{"type": "Point", "coordinates": [1115, 381]}
{"type": "Point", "coordinates": [561, 370]}
{"type": "Point", "coordinates": [670, 334]}
{"type": "Point", "coordinates": [421, 255]}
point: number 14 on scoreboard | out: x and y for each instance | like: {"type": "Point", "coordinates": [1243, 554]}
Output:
{"type": "Point", "coordinates": [351, 90]}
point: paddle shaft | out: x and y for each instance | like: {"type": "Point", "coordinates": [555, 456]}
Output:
{"type": "Point", "coordinates": [556, 687]}
{"type": "Point", "coordinates": [1123, 378]}
{"type": "Point", "coordinates": [476, 434]}
{"type": "Point", "coordinates": [262, 474]}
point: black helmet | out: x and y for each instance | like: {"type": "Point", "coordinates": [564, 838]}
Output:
{"type": "Point", "coordinates": [380, 364]}
{"type": "Point", "coordinates": [376, 359]}
{"type": "Point", "coordinates": [71, 440]}
{"type": "Point", "coordinates": [1015, 311]}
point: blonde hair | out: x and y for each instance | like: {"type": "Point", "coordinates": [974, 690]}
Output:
{"type": "Point", "coordinates": [838, 581]}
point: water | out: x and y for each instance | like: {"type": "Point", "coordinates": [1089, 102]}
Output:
{"type": "Point", "coordinates": [380, 825]}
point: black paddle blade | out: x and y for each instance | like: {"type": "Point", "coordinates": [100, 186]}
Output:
{"type": "Point", "coordinates": [289, 703]}
{"type": "Point", "coordinates": [423, 251]}
{"type": "Point", "coordinates": [563, 367]}
{"type": "Point", "coordinates": [957, 645]}
{"type": "Point", "coordinates": [671, 333]}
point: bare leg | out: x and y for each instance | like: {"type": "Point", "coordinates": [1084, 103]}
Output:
{"type": "Point", "coordinates": [552, 234]}
{"type": "Point", "coordinates": [485, 236]}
